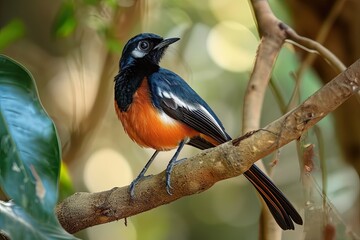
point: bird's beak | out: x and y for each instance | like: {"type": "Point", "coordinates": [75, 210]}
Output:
{"type": "Point", "coordinates": [166, 42]}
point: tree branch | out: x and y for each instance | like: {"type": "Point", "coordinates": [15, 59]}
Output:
{"type": "Point", "coordinates": [203, 170]}
{"type": "Point", "coordinates": [272, 40]}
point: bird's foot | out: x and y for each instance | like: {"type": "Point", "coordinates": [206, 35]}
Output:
{"type": "Point", "coordinates": [167, 179]}
{"type": "Point", "coordinates": [132, 189]}
{"type": "Point", "coordinates": [168, 171]}
{"type": "Point", "coordinates": [134, 183]}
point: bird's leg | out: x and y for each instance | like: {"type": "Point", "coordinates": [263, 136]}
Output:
{"type": "Point", "coordinates": [171, 165]}
{"type": "Point", "coordinates": [141, 175]}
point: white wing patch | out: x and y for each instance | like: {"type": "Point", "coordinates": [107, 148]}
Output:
{"type": "Point", "coordinates": [213, 120]}
{"type": "Point", "coordinates": [177, 100]}
{"type": "Point", "coordinates": [164, 94]}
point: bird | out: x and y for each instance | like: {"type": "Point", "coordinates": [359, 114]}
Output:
{"type": "Point", "coordinates": [159, 110]}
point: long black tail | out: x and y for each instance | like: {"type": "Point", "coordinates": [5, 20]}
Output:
{"type": "Point", "coordinates": [282, 210]}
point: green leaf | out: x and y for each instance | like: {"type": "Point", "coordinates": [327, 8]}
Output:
{"type": "Point", "coordinates": [20, 225]}
{"type": "Point", "coordinates": [29, 151]}
{"type": "Point", "coordinates": [11, 32]}
{"type": "Point", "coordinates": [65, 21]}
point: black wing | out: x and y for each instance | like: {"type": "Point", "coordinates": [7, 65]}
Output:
{"type": "Point", "coordinates": [177, 99]}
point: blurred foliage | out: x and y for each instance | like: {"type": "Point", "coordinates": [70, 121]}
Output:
{"type": "Point", "coordinates": [11, 32]}
{"type": "Point", "coordinates": [66, 187]}
{"type": "Point", "coordinates": [71, 14]}
{"type": "Point", "coordinates": [65, 22]}
{"type": "Point", "coordinates": [68, 86]}
{"type": "Point", "coordinates": [30, 159]}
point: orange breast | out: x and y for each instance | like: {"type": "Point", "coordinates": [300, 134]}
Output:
{"type": "Point", "coordinates": [147, 127]}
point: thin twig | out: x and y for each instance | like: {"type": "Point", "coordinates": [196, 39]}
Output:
{"type": "Point", "coordinates": [308, 43]}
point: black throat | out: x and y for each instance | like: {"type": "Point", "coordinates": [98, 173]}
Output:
{"type": "Point", "coordinates": [129, 80]}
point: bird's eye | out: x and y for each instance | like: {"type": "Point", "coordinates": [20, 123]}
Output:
{"type": "Point", "coordinates": [144, 45]}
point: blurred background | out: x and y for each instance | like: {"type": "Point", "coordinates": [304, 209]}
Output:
{"type": "Point", "coordinates": [72, 49]}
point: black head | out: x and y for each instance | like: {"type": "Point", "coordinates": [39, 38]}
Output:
{"type": "Point", "coordinates": [145, 46]}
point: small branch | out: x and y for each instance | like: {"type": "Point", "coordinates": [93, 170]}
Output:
{"type": "Point", "coordinates": [271, 42]}
{"type": "Point", "coordinates": [311, 46]}
{"type": "Point", "coordinates": [203, 170]}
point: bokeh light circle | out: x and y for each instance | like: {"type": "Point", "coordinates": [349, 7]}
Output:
{"type": "Point", "coordinates": [232, 46]}
{"type": "Point", "coordinates": [106, 169]}
{"type": "Point", "coordinates": [229, 10]}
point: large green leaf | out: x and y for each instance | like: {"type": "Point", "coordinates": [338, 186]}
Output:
{"type": "Point", "coordinates": [20, 225]}
{"type": "Point", "coordinates": [29, 148]}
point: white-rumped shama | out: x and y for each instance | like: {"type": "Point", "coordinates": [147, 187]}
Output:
{"type": "Point", "coordinates": [158, 109]}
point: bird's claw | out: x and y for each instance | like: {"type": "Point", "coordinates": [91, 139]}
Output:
{"type": "Point", "coordinates": [168, 175]}
{"type": "Point", "coordinates": [132, 189]}
{"type": "Point", "coordinates": [168, 186]}
{"type": "Point", "coordinates": [133, 184]}
{"type": "Point", "coordinates": [167, 179]}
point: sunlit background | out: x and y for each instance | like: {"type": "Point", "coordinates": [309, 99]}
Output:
{"type": "Point", "coordinates": [69, 60]}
